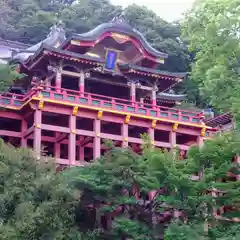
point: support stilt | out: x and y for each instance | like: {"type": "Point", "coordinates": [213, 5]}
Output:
{"type": "Point", "coordinates": [37, 132]}
{"type": "Point", "coordinates": [125, 135]}
{"type": "Point", "coordinates": [72, 140]}
{"type": "Point", "coordinates": [23, 129]}
{"type": "Point", "coordinates": [97, 139]}
{"type": "Point", "coordinates": [57, 146]}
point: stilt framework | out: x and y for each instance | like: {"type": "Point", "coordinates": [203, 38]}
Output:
{"type": "Point", "coordinates": [77, 92]}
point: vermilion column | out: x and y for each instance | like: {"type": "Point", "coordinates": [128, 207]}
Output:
{"type": "Point", "coordinates": [48, 84]}
{"type": "Point", "coordinates": [58, 80]}
{"type": "Point", "coordinates": [125, 135]}
{"type": "Point", "coordinates": [200, 141]}
{"type": "Point", "coordinates": [173, 139]}
{"type": "Point", "coordinates": [72, 140]}
{"type": "Point", "coordinates": [23, 129]}
{"type": "Point", "coordinates": [81, 82]}
{"type": "Point", "coordinates": [133, 92]}
{"type": "Point", "coordinates": [151, 133]}
{"type": "Point", "coordinates": [97, 139]}
{"type": "Point", "coordinates": [57, 147]}
{"type": "Point", "coordinates": [37, 132]}
{"type": "Point", "coordinates": [81, 154]}
{"type": "Point", "coordinates": [154, 97]}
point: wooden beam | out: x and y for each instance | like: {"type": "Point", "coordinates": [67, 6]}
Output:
{"type": "Point", "coordinates": [28, 132]}
{"type": "Point", "coordinates": [61, 137]}
{"type": "Point", "coordinates": [10, 133]}
{"type": "Point", "coordinates": [70, 73]}
{"type": "Point", "coordinates": [10, 115]}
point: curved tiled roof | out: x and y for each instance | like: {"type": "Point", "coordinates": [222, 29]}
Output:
{"type": "Point", "coordinates": [171, 97]}
{"type": "Point", "coordinates": [219, 120]}
{"type": "Point", "coordinates": [119, 27]}
{"type": "Point", "coordinates": [54, 50]}
{"type": "Point", "coordinates": [57, 36]}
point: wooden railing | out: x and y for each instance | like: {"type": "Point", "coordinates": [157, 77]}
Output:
{"type": "Point", "coordinates": [95, 100]}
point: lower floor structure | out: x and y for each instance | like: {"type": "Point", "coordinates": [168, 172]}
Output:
{"type": "Point", "coordinates": [75, 134]}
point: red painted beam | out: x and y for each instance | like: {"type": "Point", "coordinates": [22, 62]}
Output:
{"type": "Point", "coordinates": [55, 128]}
{"type": "Point", "coordinates": [28, 132]}
{"type": "Point", "coordinates": [61, 137]}
{"type": "Point", "coordinates": [10, 133]}
{"type": "Point", "coordinates": [11, 115]}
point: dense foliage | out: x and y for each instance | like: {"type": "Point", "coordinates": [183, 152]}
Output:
{"type": "Point", "coordinates": [34, 203]}
{"type": "Point", "coordinates": [120, 171]}
{"type": "Point", "coordinates": [8, 74]}
{"type": "Point", "coordinates": [212, 29]}
{"type": "Point", "coordinates": [29, 21]}
{"type": "Point", "coordinates": [99, 201]}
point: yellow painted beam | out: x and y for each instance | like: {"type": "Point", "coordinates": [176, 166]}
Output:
{"type": "Point", "coordinates": [110, 111]}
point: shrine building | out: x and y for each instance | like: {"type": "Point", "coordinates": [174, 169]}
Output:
{"type": "Point", "coordinates": [78, 91]}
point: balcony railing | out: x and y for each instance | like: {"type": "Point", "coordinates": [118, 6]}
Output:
{"type": "Point", "coordinates": [99, 101]}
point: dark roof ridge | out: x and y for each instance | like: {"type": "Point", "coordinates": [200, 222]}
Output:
{"type": "Point", "coordinates": [166, 73]}
{"type": "Point", "coordinates": [119, 27]}
{"type": "Point", "coordinates": [44, 47]}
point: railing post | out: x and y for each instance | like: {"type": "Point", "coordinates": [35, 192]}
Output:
{"type": "Point", "coordinates": [12, 100]}
{"type": "Point", "coordinates": [64, 93]}
{"type": "Point", "coordinates": [89, 98]}
{"type": "Point", "coordinates": [58, 80]}
{"type": "Point", "coordinates": [113, 103]}
{"type": "Point", "coordinates": [136, 107]}
{"type": "Point", "coordinates": [81, 83]}
{"type": "Point", "coordinates": [158, 112]}
{"type": "Point", "coordinates": [179, 115]}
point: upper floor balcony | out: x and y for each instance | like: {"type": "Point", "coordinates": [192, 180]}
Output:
{"type": "Point", "coordinates": [97, 102]}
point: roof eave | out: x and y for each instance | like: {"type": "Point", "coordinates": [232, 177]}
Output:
{"type": "Point", "coordinates": [61, 52]}
{"type": "Point", "coordinates": [130, 67]}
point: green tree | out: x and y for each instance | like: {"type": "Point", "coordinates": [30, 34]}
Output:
{"type": "Point", "coordinates": [212, 162]}
{"type": "Point", "coordinates": [8, 75]}
{"type": "Point", "coordinates": [110, 184]}
{"type": "Point", "coordinates": [212, 30]}
{"type": "Point", "coordinates": [38, 204]}
{"type": "Point", "coordinates": [29, 21]}
{"type": "Point", "coordinates": [34, 203]}
{"type": "Point", "coordinates": [189, 203]}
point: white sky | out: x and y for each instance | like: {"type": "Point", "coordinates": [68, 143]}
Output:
{"type": "Point", "coordinates": [169, 10]}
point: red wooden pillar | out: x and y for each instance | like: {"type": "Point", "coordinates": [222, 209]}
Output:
{"type": "Point", "coordinates": [72, 140]}
{"type": "Point", "coordinates": [154, 97]}
{"type": "Point", "coordinates": [81, 82]}
{"type": "Point", "coordinates": [97, 139]}
{"type": "Point", "coordinates": [57, 147]}
{"type": "Point", "coordinates": [152, 195]}
{"type": "Point", "coordinates": [48, 84]}
{"type": "Point", "coordinates": [81, 154]}
{"type": "Point", "coordinates": [125, 135]}
{"type": "Point", "coordinates": [133, 92]}
{"type": "Point", "coordinates": [58, 80]}
{"type": "Point", "coordinates": [23, 129]}
{"type": "Point", "coordinates": [37, 132]}
{"type": "Point", "coordinates": [151, 133]}
{"type": "Point", "coordinates": [173, 139]}
{"type": "Point", "coordinates": [200, 141]}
